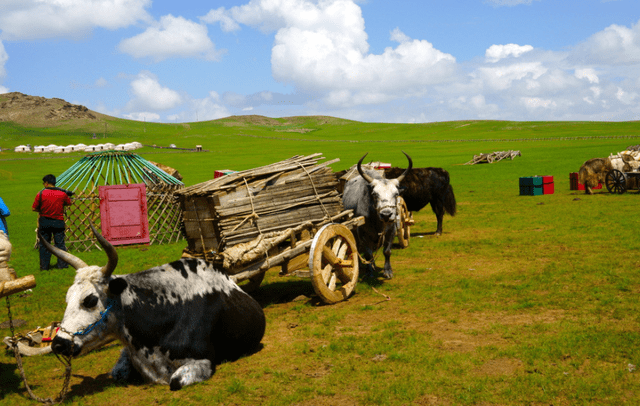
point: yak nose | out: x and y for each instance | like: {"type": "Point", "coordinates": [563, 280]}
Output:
{"type": "Point", "coordinates": [61, 346]}
{"type": "Point", "coordinates": [387, 214]}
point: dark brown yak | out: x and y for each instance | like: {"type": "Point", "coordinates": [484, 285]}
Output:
{"type": "Point", "coordinates": [422, 186]}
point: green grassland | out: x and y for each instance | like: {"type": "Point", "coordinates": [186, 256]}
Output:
{"type": "Point", "coordinates": [527, 300]}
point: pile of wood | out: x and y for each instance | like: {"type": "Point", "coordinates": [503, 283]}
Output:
{"type": "Point", "coordinates": [493, 157]}
{"type": "Point", "coordinates": [238, 207]}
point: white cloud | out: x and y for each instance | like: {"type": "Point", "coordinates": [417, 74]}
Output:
{"type": "Point", "coordinates": [615, 45]}
{"type": "Point", "coordinates": [4, 57]}
{"type": "Point", "coordinates": [208, 108]}
{"type": "Point", "coordinates": [533, 103]}
{"type": "Point", "coordinates": [497, 52]}
{"type": "Point", "coordinates": [399, 36]}
{"type": "Point", "coordinates": [626, 97]}
{"type": "Point", "coordinates": [321, 47]}
{"type": "Point", "coordinates": [148, 94]}
{"type": "Point", "coordinates": [101, 82]}
{"type": "Point", "coordinates": [502, 77]}
{"type": "Point", "coordinates": [220, 15]}
{"type": "Point", "coordinates": [143, 116]}
{"type": "Point", "coordinates": [37, 19]}
{"type": "Point", "coordinates": [587, 73]}
{"type": "Point", "coordinates": [171, 37]}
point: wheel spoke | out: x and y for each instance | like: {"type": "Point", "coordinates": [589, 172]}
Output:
{"type": "Point", "coordinates": [332, 283]}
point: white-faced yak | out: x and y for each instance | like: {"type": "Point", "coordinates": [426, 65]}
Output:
{"type": "Point", "coordinates": [176, 321]}
{"type": "Point", "coordinates": [374, 197]}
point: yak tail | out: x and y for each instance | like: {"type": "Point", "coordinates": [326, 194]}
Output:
{"type": "Point", "coordinates": [450, 201]}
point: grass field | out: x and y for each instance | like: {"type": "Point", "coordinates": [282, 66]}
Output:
{"type": "Point", "coordinates": [524, 300]}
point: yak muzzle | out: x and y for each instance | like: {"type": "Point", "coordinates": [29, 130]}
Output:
{"type": "Point", "coordinates": [387, 214]}
{"type": "Point", "coordinates": [62, 346]}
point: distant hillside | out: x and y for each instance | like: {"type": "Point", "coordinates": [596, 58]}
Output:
{"type": "Point", "coordinates": [38, 111]}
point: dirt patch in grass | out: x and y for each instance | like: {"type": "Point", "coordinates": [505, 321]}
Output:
{"type": "Point", "coordinates": [240, 121]}
{"type": "Point", "coordinates": [500, 366]}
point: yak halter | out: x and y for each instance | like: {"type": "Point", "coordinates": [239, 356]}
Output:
{"type": "Point", "coordinates": [90, 327]}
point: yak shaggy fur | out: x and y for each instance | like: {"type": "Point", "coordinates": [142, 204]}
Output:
{"type": "Point", "coordinates": [423, 186]}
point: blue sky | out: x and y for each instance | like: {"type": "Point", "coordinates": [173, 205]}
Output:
{"type": "Point", "coordinates": [376, 61]}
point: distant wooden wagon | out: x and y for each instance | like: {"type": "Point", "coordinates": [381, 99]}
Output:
{"type": "Point", "coordinates": [618, 181]}
{"type": "Point", "coordinates": [162, 215]}
{"type": "Point", "coordinates": [287, 215]}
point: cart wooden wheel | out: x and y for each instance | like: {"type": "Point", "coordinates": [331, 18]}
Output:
{"type": "Point", "coordinates": [253, 283]}
{"type": "Point", "coordinates": [616, 181]}
{"type": "Point", "coordinates": [404, 224]}
{"type": "Point", "coordinates": [333, 263]}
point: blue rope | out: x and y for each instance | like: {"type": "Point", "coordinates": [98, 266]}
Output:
{"type": "Point", "coordinates": [89, 328]}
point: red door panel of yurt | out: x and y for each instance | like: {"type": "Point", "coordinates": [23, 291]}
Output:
{"type": "Point", "coordinates": [123, 214]}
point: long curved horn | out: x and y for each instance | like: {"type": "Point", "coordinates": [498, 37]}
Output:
{"type": "Point", "coordinates": [112, 255]}
{"type": "Point", "coordinates": [406, 170]}
{"type": "Point", "coordinates": [72, 260]}
{"type": "Point", "coordinates": [366, 177]}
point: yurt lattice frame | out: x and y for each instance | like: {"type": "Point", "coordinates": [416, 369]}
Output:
{"type": "Point", "coordinates": [119, 168]}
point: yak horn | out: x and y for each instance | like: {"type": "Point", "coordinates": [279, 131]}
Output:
{"type": "Point", "coordinates": [406, 171]}
{"type": "Point", "coordinates": [112, 262]}
{"type": "Point", "coordinates": [72, 260]}
{"type": "Point", "coordinates": [366, 177]}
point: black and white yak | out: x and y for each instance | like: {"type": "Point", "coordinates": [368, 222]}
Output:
{"type": "Point", "coordinates": [423, 186]}
{"type": "Point", "coordinates": [176, 321]}
{"type": "Point", "coordinates": [374, 197]}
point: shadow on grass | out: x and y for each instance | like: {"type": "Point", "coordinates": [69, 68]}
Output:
{"type": "Point", "coordinates": [284, 292]}
{"type": "Point", "coordinates": [10, 378]}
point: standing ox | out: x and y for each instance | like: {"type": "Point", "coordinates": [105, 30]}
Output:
{"type": "Point", "coordinates": [423, 186]}
{"type": "Point", "coordinates": [374, 197]}
{"type": "Point", "coordinates": [176, 321]}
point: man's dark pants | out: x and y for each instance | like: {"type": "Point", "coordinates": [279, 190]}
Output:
{"type": "Point", "coordinates": [48, 228]}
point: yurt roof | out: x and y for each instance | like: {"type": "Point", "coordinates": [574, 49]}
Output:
{"type": "Point", "coordinates": [113, 168]}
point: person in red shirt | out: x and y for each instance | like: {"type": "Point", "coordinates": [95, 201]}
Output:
{"type": "Point", "coordinates": [50, 203]}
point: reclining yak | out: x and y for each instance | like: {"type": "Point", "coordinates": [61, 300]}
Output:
{"type": "Point", "coordinates": [374, 197]}
{"type": "Point", "coordinates": [176, 321]}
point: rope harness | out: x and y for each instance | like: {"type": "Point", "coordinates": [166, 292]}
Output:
{"type": "Point", "coordinates": [65, 360]}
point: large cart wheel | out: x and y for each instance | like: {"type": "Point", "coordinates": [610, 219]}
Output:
{"type": "Point", "coordinates": [616, 181]}
{"type": "Point", "coordinates": [252, 284]}
{"type": "Point", "coordinates": [404, 223]}
{"type": "Point", "coordinates": [333, 263]}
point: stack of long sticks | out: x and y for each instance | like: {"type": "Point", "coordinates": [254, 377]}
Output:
{"type": "Point", "coordinates": [243, 205]}
{"type": "Point", "coordinates": [493, 157]}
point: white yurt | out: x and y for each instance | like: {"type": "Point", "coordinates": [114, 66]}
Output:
{"type": "Point", "coordinates": [137, 144]}
{"type": "Point", "coordinates": [50, 148]}
{"type": "Point", "coordinates": [100, 147]}
{"type": "Point", "coordinates": [79, 147]}
{"type": "Point", "coordinates": [68, 148]}
{"type": "Point", "coordinates": [22, 148]}
{"type": "Point", "coordinates": [109, 146]}
{"type": "Point", "coordinates": [38, 148]}
{"type": "Point", "coordinates": [119, 147]}
{"type": "Point", "coordinates": [58, 150]}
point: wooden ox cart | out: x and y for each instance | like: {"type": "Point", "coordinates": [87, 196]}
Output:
{"type": "Point", "coordinates": [287, 215]}
{"type": "Point", "coordinates": [617, 181]}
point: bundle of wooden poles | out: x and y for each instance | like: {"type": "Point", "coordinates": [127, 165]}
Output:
{"type": "Point", "coordinates": [493, 157]}
{"type": "Point", "coordinates": [240, 206]}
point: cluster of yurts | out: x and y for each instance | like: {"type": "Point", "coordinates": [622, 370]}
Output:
{"type": "Point", "coordinates": [130, 146]}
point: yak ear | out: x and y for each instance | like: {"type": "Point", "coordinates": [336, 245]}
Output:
{"type": "Point", "coordinates": [117, 286]}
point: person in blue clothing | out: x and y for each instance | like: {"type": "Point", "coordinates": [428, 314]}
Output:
{"type": "Point", "coordinates": [4, 213]}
